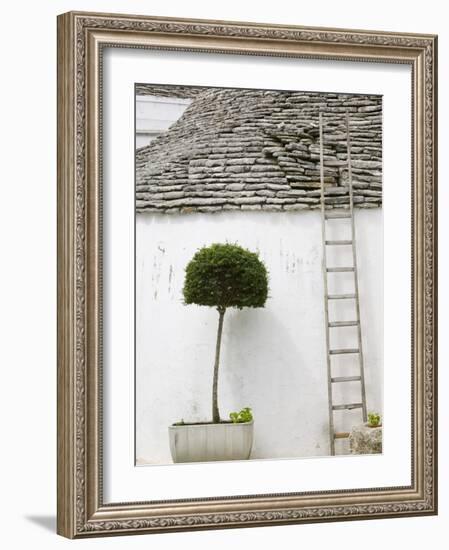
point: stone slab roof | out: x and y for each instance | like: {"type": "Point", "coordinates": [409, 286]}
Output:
{"type": "Point", "coordinates": [238, 149]}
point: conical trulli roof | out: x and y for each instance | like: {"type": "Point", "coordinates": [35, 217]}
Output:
{"type": "Point", "coordinates": [238, 149]}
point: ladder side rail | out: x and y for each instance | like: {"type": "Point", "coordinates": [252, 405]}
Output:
{"type": "Point", "coordinates": [326, 305]}
{"type": "Point", "coordinates": [356, 277]}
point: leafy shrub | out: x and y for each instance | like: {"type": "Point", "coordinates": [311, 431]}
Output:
{"type": "Point", "coordinates": [226, 275]}
{"type": "Point", "coordinates": [245, 415]}
{"type": "Point", "coordinates": [373, 419]}
{"type": "Point", "coordinates": [222, 276]}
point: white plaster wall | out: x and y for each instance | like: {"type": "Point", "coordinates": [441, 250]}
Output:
{"type": "Point", "coordinates": [155, 115]}
{"type": "Point", "coordinates": [273, 358]}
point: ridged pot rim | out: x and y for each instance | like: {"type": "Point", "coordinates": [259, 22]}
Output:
{"type": "Point", "coordinates": [210, 424]}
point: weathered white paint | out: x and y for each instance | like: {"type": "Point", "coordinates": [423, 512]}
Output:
{"type": "Point", "coordinates": [273, 358]}
{"type": "Point", "coordinates": [154, 115]}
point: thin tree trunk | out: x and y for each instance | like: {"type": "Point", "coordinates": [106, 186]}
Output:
{"type": "Point", "coordinates": [215, 411]}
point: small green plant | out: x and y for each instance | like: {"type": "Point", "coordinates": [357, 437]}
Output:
{"type": "Point", "coordinates": [245, 415]}
{"type": "Point", "coordinates": [373, 419]}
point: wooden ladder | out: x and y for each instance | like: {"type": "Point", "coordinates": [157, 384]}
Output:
{"type": "Point", "coordinates": [348, 216]}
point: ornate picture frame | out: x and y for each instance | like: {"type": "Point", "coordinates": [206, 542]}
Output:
{"type": "Point", "coordinates": [82, 38]}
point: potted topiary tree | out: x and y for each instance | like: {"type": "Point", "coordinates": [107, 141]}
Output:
{"type": "Point", "coordinates": [220, 276]}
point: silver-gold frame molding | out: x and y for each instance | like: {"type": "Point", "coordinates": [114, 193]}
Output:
{"type": "Point", "coordinates": [81, 39]}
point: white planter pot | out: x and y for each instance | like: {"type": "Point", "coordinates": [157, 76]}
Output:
{"type": "Point", "coordinates": [208, 442]}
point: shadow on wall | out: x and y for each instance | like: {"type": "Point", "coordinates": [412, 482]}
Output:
{"type": "Point", "coordinates": [46, 522]}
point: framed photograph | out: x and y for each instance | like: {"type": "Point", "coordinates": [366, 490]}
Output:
{"type": "Point", "coordinates": [246, 274]}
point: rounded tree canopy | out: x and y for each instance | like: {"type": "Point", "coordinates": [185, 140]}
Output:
{"type": "Point", "coordinates": [226, 275]}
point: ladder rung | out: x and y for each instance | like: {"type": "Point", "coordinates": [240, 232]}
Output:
{"type": "Point", "coordinates": [332, 243]}
{"type": "Point", "coordinates": [348, 406]}
{"type": "Point", "coordinates": [341, 296]}
{"type": "Point", "coordinates": [341, 435]}
{"type": "Point", "coordinates": [342, 351]}
{"type": "Point", "coordinates": [342, 210]}
{"type": "Point", "coordinates": [346, 379]}
{"type": "Point", "coordinates": [336, 215]}
{"type": "Point", "coordinates": [337, 324]}
{"type": "Point", "coordinates": [339, 269]}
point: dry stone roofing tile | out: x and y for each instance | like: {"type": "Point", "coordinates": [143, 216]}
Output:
{"type": "Point", "coordinates": [239, 149]}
